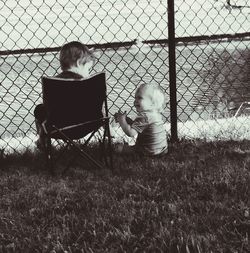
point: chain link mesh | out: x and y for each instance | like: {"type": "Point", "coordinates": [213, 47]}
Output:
{"type": "Point", "coordinates": [130, 41]}
{"type": "Point", "coordinates": [212, 62]}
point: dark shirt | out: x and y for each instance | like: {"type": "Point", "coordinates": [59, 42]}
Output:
{"type": "Point", "coordinates": [69, 75]}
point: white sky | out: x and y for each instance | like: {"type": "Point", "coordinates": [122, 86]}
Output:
{"type": "Point", "coordinates": [40, 23]}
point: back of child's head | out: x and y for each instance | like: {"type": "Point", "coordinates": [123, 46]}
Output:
{"type": "Point", "coordinates": [74, 52]}
{"type": "Point", "coordinates": [156, 94]}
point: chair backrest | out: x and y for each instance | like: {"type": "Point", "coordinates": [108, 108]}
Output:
{"type": "Point", "coordinates": [71, 101]}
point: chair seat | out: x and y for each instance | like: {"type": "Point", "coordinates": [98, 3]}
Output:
{"type": "Point", "coordinates": [76, 132]}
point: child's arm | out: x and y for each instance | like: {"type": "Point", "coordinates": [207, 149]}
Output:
{"type": "Point", "coordinates": [126, 127]}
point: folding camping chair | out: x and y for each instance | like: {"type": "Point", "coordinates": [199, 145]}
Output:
{"type": "Point", "coordinates": [74, 110]}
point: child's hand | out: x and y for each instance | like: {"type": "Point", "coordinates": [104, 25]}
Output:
{"type": "Point", "coordinates": [119, 116]}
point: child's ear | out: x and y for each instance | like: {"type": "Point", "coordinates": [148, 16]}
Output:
{"type": "Point", "coordinates": [94, 53]}
{"type": "Point", "coordinates": [78, 63]}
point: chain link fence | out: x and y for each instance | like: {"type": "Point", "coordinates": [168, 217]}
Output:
{"type": "Point", "coordinates": [212, 68]}
{"type": "Point", "coordinates": [131, 41]}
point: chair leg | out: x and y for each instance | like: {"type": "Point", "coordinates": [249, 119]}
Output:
{"type": "Point", "coordinates": [81, 152]}
{"type": "Point", "coordinates": [110, 151]}
{"type": "Point", "coordinates": [48, 154]}
{"type": "Point", "coordinates": [109, 146]}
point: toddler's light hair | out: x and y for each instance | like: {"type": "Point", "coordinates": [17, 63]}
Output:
{"type": "Point", "coordinates": [156, 94]}
{"type": "Point", "coordinates": [72, 52]}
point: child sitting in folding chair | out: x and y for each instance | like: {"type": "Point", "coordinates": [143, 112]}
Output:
{"type": "Point", "coordinates": [76, 60]}
{"type": "Point", "coordinates": [148, 126]}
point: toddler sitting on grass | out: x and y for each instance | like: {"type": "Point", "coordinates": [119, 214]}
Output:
{"type": "Point", "coordinates": [148, 126]}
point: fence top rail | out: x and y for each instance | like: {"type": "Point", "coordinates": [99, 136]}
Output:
{"type": "Point", "coordinates": [56, 49]}
{"type": "Point", "coordinates": [227, 37]}
{"type": "Point", "coordinates": [213, 37]}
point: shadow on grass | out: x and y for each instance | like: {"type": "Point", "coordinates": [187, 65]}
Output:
{"type": "Point", "coordinates": [195, 199]}
{"type": "Point", "coordinates": [196, 152]}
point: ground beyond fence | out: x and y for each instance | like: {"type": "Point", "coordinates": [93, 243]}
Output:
{"type": "Point", "coordinates": [134, 43]}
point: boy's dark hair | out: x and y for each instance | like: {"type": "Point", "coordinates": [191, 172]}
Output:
{"type": "Point", "coordinates": [72, 52]}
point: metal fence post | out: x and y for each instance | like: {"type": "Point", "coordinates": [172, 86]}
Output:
{"type": "Point", "coordinates": [172, 70]}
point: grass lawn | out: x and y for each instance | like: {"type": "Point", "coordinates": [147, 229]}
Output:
{"type": "Point", "coordinates": [196, 199]}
